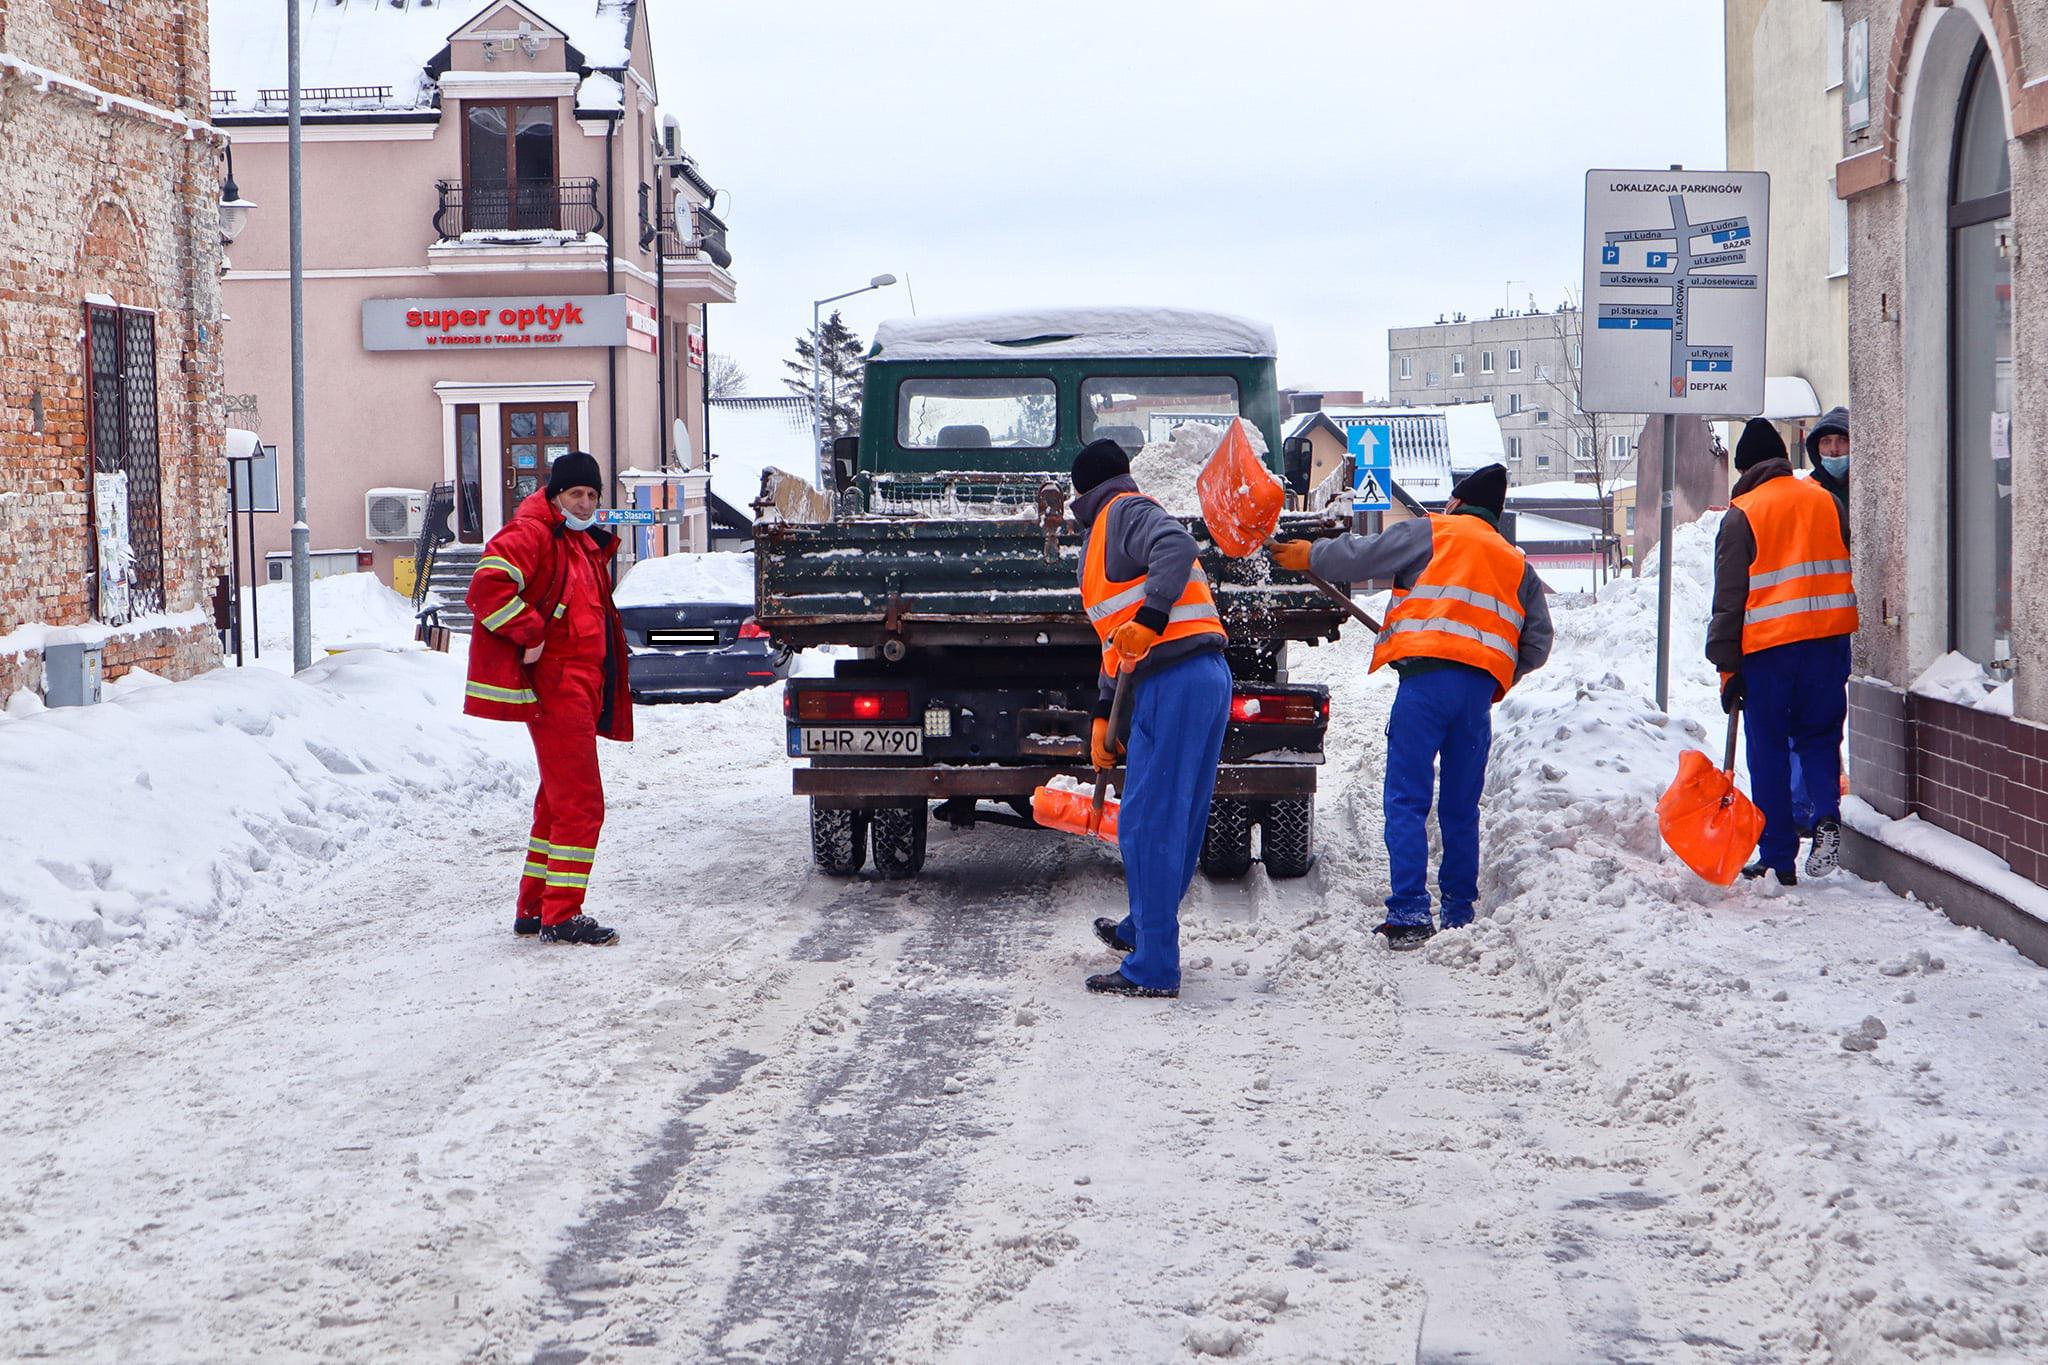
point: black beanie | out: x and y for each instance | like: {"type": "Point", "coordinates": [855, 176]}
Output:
{"type": "Point", "coordinates": [1487, 487]}
{"type": "Point", "coordinates": [577, 469]}
{"type": "Point", "coordinates": [1759, 442]}
{"type": "Point", "coordinates": [1098, 463]}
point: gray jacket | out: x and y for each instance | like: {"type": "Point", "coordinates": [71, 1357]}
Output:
{"type": "Point", "coordinates": [1734, 552]}
{"type": "Point", "coordinates": [1399, 554]}
{"type": "Point", "coordinates": [1144, 541]}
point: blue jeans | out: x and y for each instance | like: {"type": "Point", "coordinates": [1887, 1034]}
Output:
{"type": "Point", "coordinates": [1443, 716]}
{"type": "Point", "coordinates": [1796, 700]}
{"type": "Point", "coordinates": [1178, 716]}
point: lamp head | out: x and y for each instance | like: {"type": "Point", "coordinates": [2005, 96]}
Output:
{"type": "Point", "coordinates": [880, 280]}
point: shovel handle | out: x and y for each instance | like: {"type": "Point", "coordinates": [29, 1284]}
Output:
{"type": "Point", "coordinates": [1343, 600]}
{"type": "Point", "coordinates": [1734, 724]}
{"type": "Point", "coordinates": [1117, 707]}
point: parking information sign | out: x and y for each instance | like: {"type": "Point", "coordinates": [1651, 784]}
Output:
{"type": "Point", "coordinates": [1372, 455]}
{"type": "Point", "coordinates": [1675, 271]}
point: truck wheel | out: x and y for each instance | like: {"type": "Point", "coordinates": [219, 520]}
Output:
{"type": "Point", "coordinates": [839, 840]}
{"type": "Point", "coordinates": [1287, 838]}
{"type": "Point", "coordinates": [1227, 844]}
{"type": "Point", "coordinates": [899, 833]}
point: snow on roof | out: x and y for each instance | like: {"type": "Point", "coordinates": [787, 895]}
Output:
{"type": "Point", "coordinates": [1109, 332]}
{"type": "Point", "coordinates": [1555, 490]}
{"type": "Point", "coordinates": [1533, 528]}
{"type": "Point", "coordinates": [1433, 446]}
{"type": "Point", "coordinates": [749, 435]}
{"type": "Point", "coordinates": [371, 43]}
{"type": "Point", "coordinates": [1787, 398]}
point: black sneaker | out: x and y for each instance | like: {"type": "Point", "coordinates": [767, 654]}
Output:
{"type": "Point", "coordinates": [582, 929]}
{"type": "Point", "coordinates": [1404, 937]}
{"type": "Point", "coordinates": [1105, 929]}
{"type": "Point", "coordinates": [526, 926]}
{"type": "Point", "coordinates": [1826, 854]}
{"type": "Point", "coordinates": [1116, 983]}
{"type": "Point", "coordinates": [1786, 877]}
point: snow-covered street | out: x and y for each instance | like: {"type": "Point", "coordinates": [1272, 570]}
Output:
{"type": "Point", "coordinates": [346, 1115]}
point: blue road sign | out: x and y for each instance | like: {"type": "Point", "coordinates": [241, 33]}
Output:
{"type": "Point", "coordinates": [1660, 260]}
{"type": "Point", "coordinates": [625, 516]}
{"type": "Point", "coordinates": [1372, 454]}
{"type": "Point", "coordinates": [1610, 255]}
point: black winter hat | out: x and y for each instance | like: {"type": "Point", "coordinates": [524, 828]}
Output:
{"type": "Point", "coordinates": [1759, 442]}
{"type": "Point", "coordinates": [1487, 487]}
{"type": "Point", "coordinates": [577, 469]}
{"type": "Point", "coordinates": [1098, 463]}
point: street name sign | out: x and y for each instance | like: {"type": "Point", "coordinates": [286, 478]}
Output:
{"type": "Point", "coordinates": [1676, 263]}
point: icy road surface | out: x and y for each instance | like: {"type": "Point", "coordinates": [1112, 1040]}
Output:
{"type": "Point", "coordinates": [800, 1119]}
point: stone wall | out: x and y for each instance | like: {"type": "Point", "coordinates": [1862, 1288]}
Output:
{"type": "Point", "coordinates": [121, 203]}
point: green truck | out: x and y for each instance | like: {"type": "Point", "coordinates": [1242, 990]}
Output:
{"type": "Point", "coordinates": [942, 562]}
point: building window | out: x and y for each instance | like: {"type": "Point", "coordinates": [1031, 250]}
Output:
{"type": "Point", "coordinates": [1617, 447]}
{"type": "Point", "coordinates": [1515, 448]}
{"type": "Point", "coordinates": [1586, 448]}
{"type": "Point", "coordinates": [1514, 403]}
{"type": "Point", "coordinates": [469, 474]}
{"type": "Point", "coordinates": [1835, 40]}
{"type": "Point", "coordinates": [1433, 380]}
{"type": "Point", "coordinates": [127, 544]}
{"type": "Point", "coordinates": [1407, 367]}
{"type": "Point", "coordinates": [1980, 375]}
{"type": "Point", "coordinates": [1543, 374]}
{"type": "Point", "coordinates": [1543, 459]}
{"type": "Point", "coordinates": [1514, 360]}
{"type": "Point", "coordinates": [1458, 363]}
{"type": "Point", "coordinates": [1629, 517]}
{"type": "Point", "coordinates": [1486, 362]}
{"type": "Point", "coordinates": [1542, 416]}
{"type": "Point", "coordinates": [508, 167]}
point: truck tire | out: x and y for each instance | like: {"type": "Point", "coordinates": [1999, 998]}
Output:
{"type": "Point", "coordinates": [1287, 838]}
{"type": "Point", "coordinates": [839, 840]}
{"type": "Point", "coordinates": [1227, 843]}
{"type": "Point", "coordinates": [898, 833]}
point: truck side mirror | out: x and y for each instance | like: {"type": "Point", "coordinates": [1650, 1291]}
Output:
{"type": "Point", "coordinates": [1296, 459]}
{"type": "Point", "coordinates": [845, 461]}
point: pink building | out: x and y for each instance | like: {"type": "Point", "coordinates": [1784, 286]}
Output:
{"type": "Point", "coordinates": [485, 186]}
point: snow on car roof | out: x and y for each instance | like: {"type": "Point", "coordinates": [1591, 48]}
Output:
{"type": "Point", "coordinates": [678, 579]}
{"type": "Point", "coordinates": [359, 45]}
{"type": "Point", "coordinates": [1064, 332]}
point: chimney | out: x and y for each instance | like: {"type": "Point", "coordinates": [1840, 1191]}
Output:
{"type": "Point", "coordinates": [1304, 400]}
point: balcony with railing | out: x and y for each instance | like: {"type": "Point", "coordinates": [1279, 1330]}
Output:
{"type": "Point", "coordinates": [694, 257]}
{"type": "Point", "coordinates": [529, 208]}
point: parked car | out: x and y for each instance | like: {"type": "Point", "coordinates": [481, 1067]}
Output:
{"type": "Point", "coordinates": [690, 630]}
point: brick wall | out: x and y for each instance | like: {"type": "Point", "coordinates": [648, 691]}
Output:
{"type": "Point", "coordinates": [1976, 774]}
{"type": "Point", "coordinates": [123, 205]}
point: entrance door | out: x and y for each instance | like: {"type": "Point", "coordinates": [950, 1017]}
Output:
{"type": "Point", "coordinates": [535, 435]}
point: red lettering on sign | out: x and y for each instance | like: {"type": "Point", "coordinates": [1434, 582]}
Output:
{"type": "Point", "coordinates": [573, 314]}
{"type": "Point", "coordinates": [412, 318]}
{"type": "Point", "coordinates": [506, 317]}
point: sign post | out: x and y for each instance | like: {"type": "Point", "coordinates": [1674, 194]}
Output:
{"type": "Point", "coordinates": [1675, 267]}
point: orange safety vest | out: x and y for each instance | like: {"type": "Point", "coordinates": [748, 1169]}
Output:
{"type": "Point", "coordinates": [1466, 605]}
{"type": "Point", "coordinates": [1799, 585]}
{"type": "Point", "coordinates": [1111, 602]}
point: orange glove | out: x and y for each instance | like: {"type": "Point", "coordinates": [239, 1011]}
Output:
{"type": "Point", "coordinates": [1133, 641]}
{"type": "Point", "coordinates": [1292, 555]}
{"type": "Point", "coordinates": [1101, 748]}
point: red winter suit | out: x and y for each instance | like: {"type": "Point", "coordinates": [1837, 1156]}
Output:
{"type": "Point", "coordinates": [540, 583]}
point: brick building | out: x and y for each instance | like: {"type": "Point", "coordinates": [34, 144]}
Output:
{"type": "Point", "coordinates": [112, 476]}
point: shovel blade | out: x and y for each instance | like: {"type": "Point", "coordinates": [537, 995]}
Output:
{"type": "Point", "coordinates": [1073, 812]}
{"type": "Point", "coordinates": [1241, 500]}
{"type": "Point", "coordinates": [1707, 821]}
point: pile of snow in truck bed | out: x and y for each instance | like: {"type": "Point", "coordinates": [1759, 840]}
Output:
{"type": "Point", "coordinates": [1168, 469]}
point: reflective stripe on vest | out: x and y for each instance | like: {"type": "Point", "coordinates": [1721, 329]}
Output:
{"type": "Point", "coordinates": [1465, 608]}
{"type": "Point", "coordinates": [1111, 602]}
{"type": "Point", "coordinates": [1799, 584]}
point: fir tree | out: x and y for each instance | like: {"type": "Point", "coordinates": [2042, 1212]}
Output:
{"type": "Point", "coordinates": [840, 374]}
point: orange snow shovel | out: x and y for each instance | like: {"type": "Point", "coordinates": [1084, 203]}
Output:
{"type": "Point", "coordinates": [1241, 500]}
{"type": "Point", "coordinates": [1071, 811]}
{"type": "Point", "coordinates": [1704, 817]}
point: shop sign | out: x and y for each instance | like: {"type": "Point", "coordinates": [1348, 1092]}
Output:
{"type": "Point", "coordinates": [553, 321]}
{"type": "Point", "coordinates": [643, 328]}
{"type": "Point", "coordinates": [696, 347]}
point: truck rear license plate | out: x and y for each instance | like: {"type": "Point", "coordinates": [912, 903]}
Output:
{"type": "Point", "coordinates": [880, 741]}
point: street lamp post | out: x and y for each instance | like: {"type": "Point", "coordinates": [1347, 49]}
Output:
{"type": "Point", "coordinates": [817, 381]}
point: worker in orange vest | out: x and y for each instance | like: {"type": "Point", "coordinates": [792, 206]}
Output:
{"type": "Point", "coordinates": [1468, 622]}
{"type": "Point", "coordinates": [1784, 609]}
{"type": "Point", "coordinates": [1149, 601]}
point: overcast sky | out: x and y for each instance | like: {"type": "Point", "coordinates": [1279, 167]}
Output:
{"type": "Point", "coordinates": [1331, 168]}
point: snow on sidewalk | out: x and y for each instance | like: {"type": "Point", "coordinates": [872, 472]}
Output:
{"type": "Point", "coordinates": [132, 824]}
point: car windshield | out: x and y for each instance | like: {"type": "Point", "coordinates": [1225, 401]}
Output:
{"type": "Point", "coordinates": [1009, 413]}
{"type": "Point", "coordinates": [1136, 410]}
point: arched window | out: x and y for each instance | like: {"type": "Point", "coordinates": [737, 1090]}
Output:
{"type": "Point", "coordinates": [1980, 374]}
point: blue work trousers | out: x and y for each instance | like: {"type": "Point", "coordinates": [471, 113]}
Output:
{"type": "Point", "coordinates": [1442, 716]}
{"type": "Point", "coordinates": [1795, 701]}
{"type": "Point", "coordinates": [1178, 716]}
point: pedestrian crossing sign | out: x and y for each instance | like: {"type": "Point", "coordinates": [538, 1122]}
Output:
{"type": "Point", "coordinates": [1372, 464]}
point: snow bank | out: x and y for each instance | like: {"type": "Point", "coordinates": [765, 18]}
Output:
{"type": "Point", "coordinates": [160, 813]}
{"type": "Point", "coordinates": [348, 609]}
{"type": "Point", "coordinates": [1168, 469]}
{"type": "Point", "coordinates": [666, 580]}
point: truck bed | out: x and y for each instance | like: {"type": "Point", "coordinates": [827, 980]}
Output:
{"type": "Point", "coordinates": [927, 581]}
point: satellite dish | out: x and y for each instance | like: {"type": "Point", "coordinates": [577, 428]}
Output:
{"type": "Point", "coordinates": [685, 451]}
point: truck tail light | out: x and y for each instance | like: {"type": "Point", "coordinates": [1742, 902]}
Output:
{"type": "Point", "coordinates": [892, 707]}
{"type": "Point", "coordinates": [750, 629]}
{"type": "Point", "coordinates": [1277, 708]}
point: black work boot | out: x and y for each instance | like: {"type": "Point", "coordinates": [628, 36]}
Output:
{"type": "Point", "coordinates": [526, 926]}
{"type": "Point", "coordinates": [582, 929]}
{"type": "Point", "coordinates": [1105, 929]}
{"type": "Point", "coordinates": [1116, 983]}
{"type": "Point", "coordinates": [1786, 876]}
{"type": "Point", "coordinates": [1405, 937]}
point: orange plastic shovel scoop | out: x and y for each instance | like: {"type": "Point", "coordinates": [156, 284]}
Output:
{"type": "Point", "coordinates": [1241, 500]}
{"type": "Point", "coordinates": [1705, 819]}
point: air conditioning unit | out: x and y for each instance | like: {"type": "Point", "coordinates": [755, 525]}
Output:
{"type": "Point", "coordinates": [671, 137]}
{"type": "Point", "coordinates": [394, 513]}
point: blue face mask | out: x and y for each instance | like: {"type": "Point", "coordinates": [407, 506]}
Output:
{"type": "Point", "coordinates": [1837, 465]}
{"type": "Point", "coordinates": [578, 523]}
